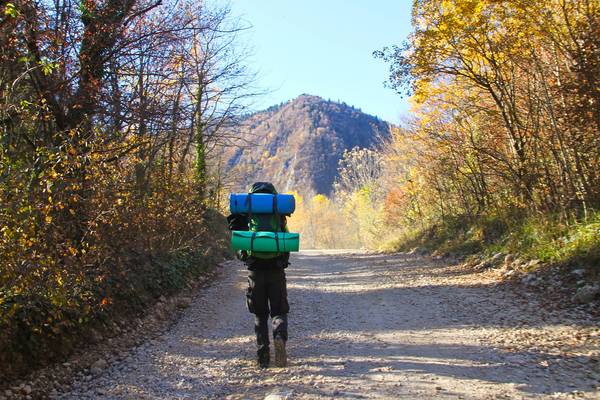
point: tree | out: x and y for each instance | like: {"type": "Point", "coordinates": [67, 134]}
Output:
{"type": "Point", "coordinates": [492, 83]}
{"type": "Point", "coordinates": [108, 108]}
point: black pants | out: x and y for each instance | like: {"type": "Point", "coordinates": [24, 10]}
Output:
{"type": "Point", "coordinates": [267, 294]}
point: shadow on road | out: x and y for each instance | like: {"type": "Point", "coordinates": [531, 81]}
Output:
{"type": "Point", "coordinates": [396, 322]}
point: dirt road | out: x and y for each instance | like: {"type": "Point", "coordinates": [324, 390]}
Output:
{"type": "Point", "coordinates": [365, 326]}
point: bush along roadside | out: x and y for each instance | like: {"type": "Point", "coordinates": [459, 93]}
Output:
{"type": "Point", "coordinates": [39, 328]}
{"type": "Point", "coordinates": [118, 340]}
{"type": "Point", "coordinates": [555, 255]}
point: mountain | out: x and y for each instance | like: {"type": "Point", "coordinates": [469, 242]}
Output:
{"type": "Point", "coordinates": [297, 144]}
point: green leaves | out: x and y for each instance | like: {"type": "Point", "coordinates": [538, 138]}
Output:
{"type": "Point", "coordinates": [47, 66]}
{"type": "Point", "coordinates": [11, 11]}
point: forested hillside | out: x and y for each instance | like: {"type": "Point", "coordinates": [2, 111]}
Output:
{"type": "Point", "coordinates": [298, 144]}
{"type": "Point", "coordinates": [106, 114]}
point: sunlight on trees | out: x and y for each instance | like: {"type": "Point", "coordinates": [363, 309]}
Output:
{"type": "Point", "coordinates": [507, 111]}
{"type": "Point", "coordinates": [114, 117]}
{"type": "Point", "coordinates": [112, 114]}
{"type": "Point", "coordinates": [506, 124]}
{"type": "Point", "coordinates": [350, 218]}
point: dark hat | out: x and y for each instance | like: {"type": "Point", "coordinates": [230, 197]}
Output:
{"type": "Point", "coordinates": [263, 187]}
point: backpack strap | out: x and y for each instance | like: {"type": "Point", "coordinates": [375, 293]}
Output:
{"type": "Point", "coordinates": [277, 221]}
{"type": "Point", "coordinates": [252, 241]}
{"type": "Point", "coordinates": [249, 203]}
{"type": "Point", "coordinates": [277, 242]}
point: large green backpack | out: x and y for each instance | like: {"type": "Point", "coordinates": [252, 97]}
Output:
{"type": "Point", "coordinates": [265, 222]}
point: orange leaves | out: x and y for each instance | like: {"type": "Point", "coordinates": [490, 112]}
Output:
{"type": "Point", "coordinates": [78, 221]}
{"type": "Point", "coordinates": [394, 199]}
{"type": "Point", "coordinates": [106, 302]}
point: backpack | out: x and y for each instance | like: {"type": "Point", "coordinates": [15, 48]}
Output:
{"type": "Point", "coordinates": [266, 222]}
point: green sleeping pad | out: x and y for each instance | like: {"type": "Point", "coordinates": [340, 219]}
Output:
{"type": "Point", "coordinates": [265, 241]}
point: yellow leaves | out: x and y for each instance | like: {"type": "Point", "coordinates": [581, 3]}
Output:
{"type": "Point", "coordinates": [25, 105]}
{"type": "Point", "coordinates": [459, 14]}
{"type": "Point", "coordinates": [47, 66]}
{"type": "Point", "coordinates": [11, 11]}
{"type": "Point", "coordinates": [465, 38]}
{"type": "Point", "coordinates": [423, 88]}
{"type": "Point", "coordinates": [59, 231]}
{"type": "Point", "coordinates": [26, 241]}
{"type": "Point", "coordinates": [470, 8]}
{"type": "Point", "coordinates": [320, 200]}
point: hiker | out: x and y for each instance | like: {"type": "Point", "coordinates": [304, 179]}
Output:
{"type": "Point", "coordinates": [267, 291]}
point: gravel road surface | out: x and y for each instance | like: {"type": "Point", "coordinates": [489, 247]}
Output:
{"type": "Point", "coordinates": [365, 326]}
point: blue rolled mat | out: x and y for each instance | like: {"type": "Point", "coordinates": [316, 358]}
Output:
{"type": "Point", "coordinates": [261, 203]}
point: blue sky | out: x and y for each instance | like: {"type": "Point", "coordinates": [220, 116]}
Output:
{"type": "Point", "coordinates": [324, 47]}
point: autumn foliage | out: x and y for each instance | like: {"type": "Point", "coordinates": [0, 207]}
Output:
{"type": "Point", "coordinates": [108, 113]}
{"type": "Point", "coordinates": [506, 123]}
{"type": "Point", "coordinates": [502, 150]}
{"type": "Point", "coordinates": [507, 104]}
{"type": "Point", "coordinates": [351, 218]}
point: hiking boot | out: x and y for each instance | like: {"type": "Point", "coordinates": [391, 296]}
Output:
{"type": "Point", "coordinates": [264, 358]}
{"type": "Point", "coordinates": [280, 354]}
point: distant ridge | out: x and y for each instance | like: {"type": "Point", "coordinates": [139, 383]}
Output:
{"type": "Point", "coordinates": [297, 144]}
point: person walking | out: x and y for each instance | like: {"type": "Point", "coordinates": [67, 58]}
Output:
{"type": "Point", "coordinates": [267, 288]}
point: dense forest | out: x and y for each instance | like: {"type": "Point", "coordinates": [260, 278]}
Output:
{"type": "Point", "coordinates": [116, 117]}
{"type": "Point", "coordinates": [110, 112]}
